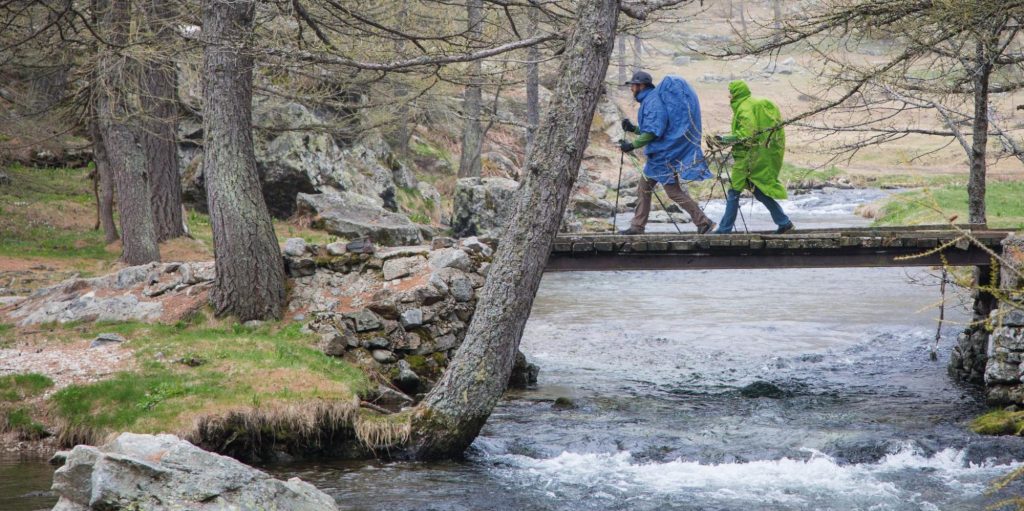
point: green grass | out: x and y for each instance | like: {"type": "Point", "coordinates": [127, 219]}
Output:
{"type": "Point", "coordinates": [19, 387]}
{"type": "Point", "coordinates": [1003, 203]}
{"type": "Point", "coordinates": [192, 369]}
{"type": "Point", "coordinates": [427, 150]}
{"type": "Point", "coordinates": [15, 389]}
{"type": "Point", "coordinates": [419, 208]}
{"type": "Point", "coordinates": [30, 206]}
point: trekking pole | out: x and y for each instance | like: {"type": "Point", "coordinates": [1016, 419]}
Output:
{"type": "Point", "coordinates": [655, 194]}
{"type": "Point", "coordinates": [618, 189]}
{"type": "Point", "coordinates": [721, 160]}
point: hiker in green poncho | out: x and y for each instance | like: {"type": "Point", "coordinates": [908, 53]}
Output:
{"type": "Point", "coordinates": [758, 144]}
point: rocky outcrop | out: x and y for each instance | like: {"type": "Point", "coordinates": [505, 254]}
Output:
{"type": "Point", "coordinates": [165, 473]}
{"type": "Point", "coordinates": [152, 292]}
{"type": "Point", "coordinates": [482, 206]}
{"type": "Point", "coordinates": [351, 216]}
{"type": "Point", "coordinates": [294, 155]}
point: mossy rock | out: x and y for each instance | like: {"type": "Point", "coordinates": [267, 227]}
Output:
{"type": "Point", "coordinates": [999, 422]}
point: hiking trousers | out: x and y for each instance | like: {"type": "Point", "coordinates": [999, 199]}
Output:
{"type": "Point", "coordinates": [677, 193]}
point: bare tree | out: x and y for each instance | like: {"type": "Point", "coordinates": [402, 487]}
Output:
{"type": "Point", "coordinates": [117, 108]}
{"type": "Point", "coordinates": [472, 132]}
{"type": "Point", "coordinates": [159, 102]}
{"type": "Point", "coordinates": [948, 53]}
{"type": "Point", "coordinates": [532, 85]}
{"type": "Point", "coordinates": [249, 281]}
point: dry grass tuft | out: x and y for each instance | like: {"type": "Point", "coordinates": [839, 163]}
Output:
{"type": "Point", "coordinates": [383, 431]}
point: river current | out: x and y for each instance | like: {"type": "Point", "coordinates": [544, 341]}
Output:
{"type": "Point", "coordinates": [709, 390]}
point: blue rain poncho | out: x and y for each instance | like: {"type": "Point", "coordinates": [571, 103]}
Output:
{"type": "Point", "coordinates": [671, 112]}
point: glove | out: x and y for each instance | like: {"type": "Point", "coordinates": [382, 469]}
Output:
{"type": "Point", "coordinates": [628, 126]}
{"type": "Point", "coordinates": [626, 147]}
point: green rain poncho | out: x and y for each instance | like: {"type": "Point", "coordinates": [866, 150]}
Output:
{"type": "Point", "coordinates": [757, 148]}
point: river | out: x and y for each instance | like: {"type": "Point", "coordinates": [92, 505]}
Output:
{"type": "Point", "coordinates": [658, 369]}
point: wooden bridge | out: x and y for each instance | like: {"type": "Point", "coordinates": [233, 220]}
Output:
{"type": "Point", "coordinates": [820, 248]}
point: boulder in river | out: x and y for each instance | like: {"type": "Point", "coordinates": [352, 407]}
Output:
{"type": "Point", "coordinates": [164, 473]}
{"type": "Point", "coordinates": [763, 389]}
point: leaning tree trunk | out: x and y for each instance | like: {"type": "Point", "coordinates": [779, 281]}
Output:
{"type": "Point", "coordinates": [532, 86]}
{"type": "Point", "coordinates": [250, 270]}
{"type": "Point", "coordinates": [117, 111]}
{"type": "Point", "coordinates": [472, 132]}
{"type": "Point", "coordinates": [161, 137]}
{"type": "Point", "coordinates": [451, 415]}
{"type": "Point", "coordinates": [979, 145]}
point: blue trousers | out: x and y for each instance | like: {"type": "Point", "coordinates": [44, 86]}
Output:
{"type": "Point", "coordinates": [732, 206]}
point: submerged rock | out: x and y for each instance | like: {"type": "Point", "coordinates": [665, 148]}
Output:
{"type": "Point", "coordinates": [164, 473]}
{"type": "Point", "coordinates": [763, 389]}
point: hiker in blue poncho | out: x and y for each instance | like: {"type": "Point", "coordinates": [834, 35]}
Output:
{"type": "Point", "coordinates": [670, 133]}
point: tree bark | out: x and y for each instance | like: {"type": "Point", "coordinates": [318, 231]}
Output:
{"type": "Point", "coordinates": [249, 283]}
{"type": "Point", "coordinates": [638, 49]}
{"type": "Point", "coordinates": [979, 144]}
{"type": "Point", "coordinates": [105, 196]}
{"type": "Point", "coordinates": [532, 86]}
{"type": "Point", "coordinates": [472, 132]}
{"type": "Point", "coordinates": [159, 101]}
{"type": "Point", "coordinates": [451, 415]}
{"type": "Point", "coordinates": [621, 59]}
{"type": "Point", "coordinates": [402, 131]}
{"type": "Point", "coordinates": [117, 111]}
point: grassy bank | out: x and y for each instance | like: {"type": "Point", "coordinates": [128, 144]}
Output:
{"type": "Point", "coordinates": [187, 376]}
{"type": "Point", "coordinates": [1004, 206]}
{"type": "Point", "coordinates": [48, 215]}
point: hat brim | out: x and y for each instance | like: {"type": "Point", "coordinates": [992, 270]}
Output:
{"type": "Point", "coordinates": [632, 82]}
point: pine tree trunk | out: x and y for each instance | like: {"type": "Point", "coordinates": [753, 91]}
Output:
{"type": "Point", "coordinates": [250, 270]}
{"type": "Point", "coordinates": [161, 135]}
{"type": "Point", "coordinates": [472, 132]}
{"type": "Point", "coordinates": [402, 132]}
{"type": "Point", "coordinates": [117, 110]}
{"type": "Point", "coordinates": [451, 415]}
{"type": "Point", "coordinates": [105, 197]}
{"type": "Point", "coordinates": [979, 145]}
{"type": "Point", "coordinates": [532, 86]}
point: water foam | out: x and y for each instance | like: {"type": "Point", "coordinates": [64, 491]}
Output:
{"type": "Point", "coordinates": [792, 482]}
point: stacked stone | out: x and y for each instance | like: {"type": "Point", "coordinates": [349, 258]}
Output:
{"type": "Point", "coordinates": [1004, 372]}
{"type": "Point", "coordinates": [400, 312]}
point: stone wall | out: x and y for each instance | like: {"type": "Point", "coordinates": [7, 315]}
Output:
{"type": "Point", "coordinates": [1004, 372]}
{"type": "Point", "coordinates": [399, 313]}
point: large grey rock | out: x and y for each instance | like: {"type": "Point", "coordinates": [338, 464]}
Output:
{"type": "Point", "coordinates": [403, 267]}
{"type": "Point", "coordinates": [482, 206]}
{"type": "Point", "coordinates": [351, 215]}
{"type": "Point", "coordinates": [450, 258]}
{"type": "Point", "coordinates": [294, 247]}
{"type": "Point", "coordinates": [165, 473]}
{"type": "Point", "coordinates": [294, 155]}
{"type": "Point", "coordinates": [589, 206]}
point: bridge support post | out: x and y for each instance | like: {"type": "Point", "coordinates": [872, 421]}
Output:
{"type": "Point", "coordinates": [970, 355]}
{"type": "Point", "coordinates": [1004, 368]}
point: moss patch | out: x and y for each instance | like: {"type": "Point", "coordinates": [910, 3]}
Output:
{"type": "Point", "coordinates": [188, 371]}
{"type": "Point", "coordinates": [999, 422]}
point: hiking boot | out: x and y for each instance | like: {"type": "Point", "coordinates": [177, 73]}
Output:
{"type": "Point", "coordinates": [783, 229]}
{"type": "Point", "coordinates": [631, 231]}
{"type": "Point", "coordinates": [707, 228]}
